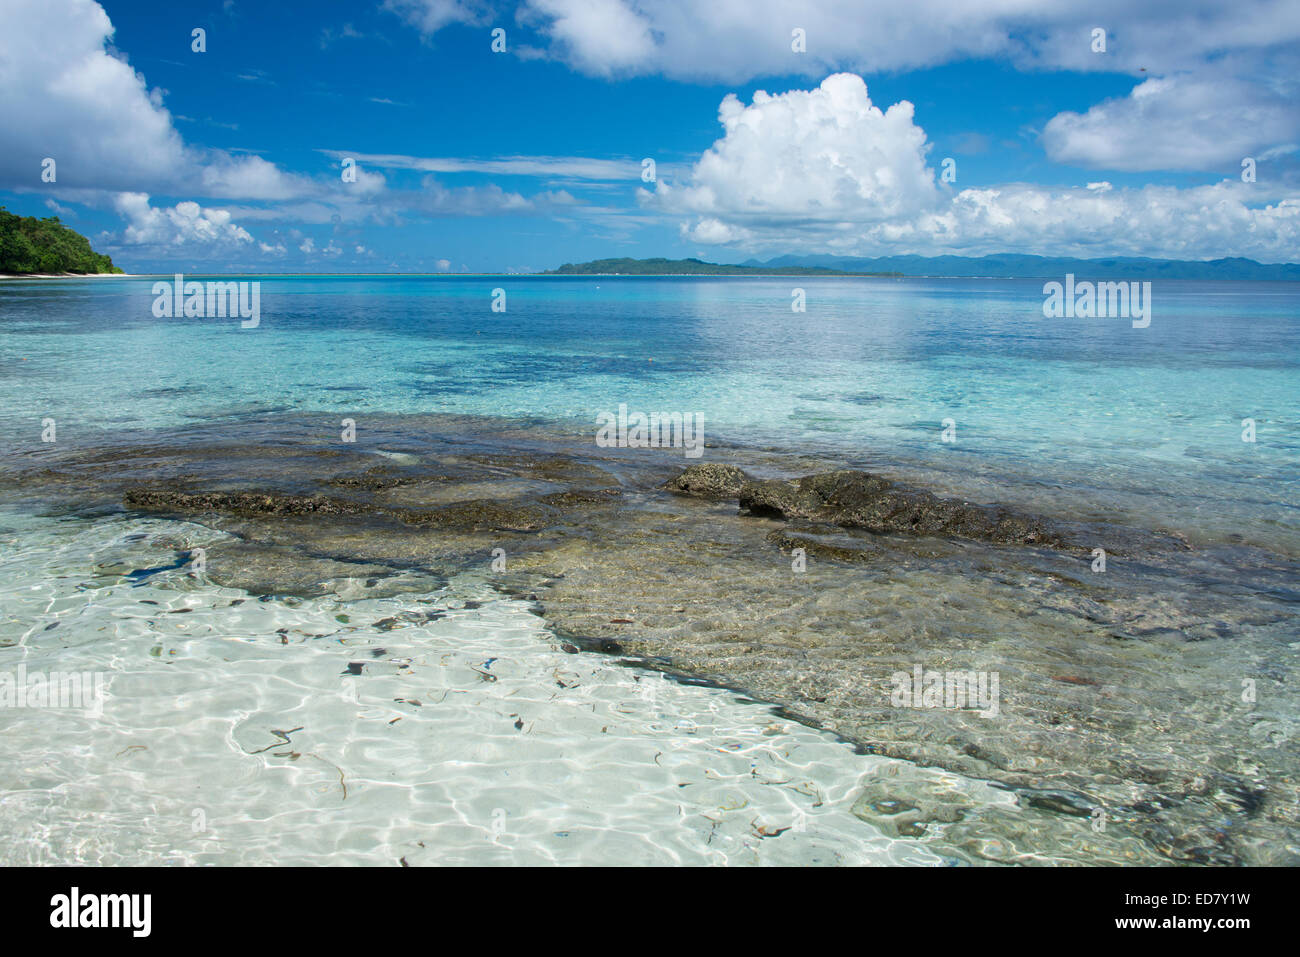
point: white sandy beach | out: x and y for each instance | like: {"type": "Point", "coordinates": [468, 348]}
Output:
{"type": "Point", "coordinates": [68, 275]}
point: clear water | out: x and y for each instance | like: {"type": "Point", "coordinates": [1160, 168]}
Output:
{"type": "Point", "coordinates": [872, 367]}
{"type": "Point", "coordinates": [470, 739]}
{"type": "Point", "coordinates": [1078, 417]}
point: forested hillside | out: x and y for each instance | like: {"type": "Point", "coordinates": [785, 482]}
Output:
{"type": "Point", "coordinates": [31, 245]}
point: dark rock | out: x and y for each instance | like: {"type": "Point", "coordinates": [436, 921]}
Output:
{"type": "Point", "coordinates": [854, 499]}
{"type": "Point", "coordinates": [476, 514]}
{"type": "Point", "coordinates": [580, 497]}
{"type": "Point", "coordinates": [709, 480]}
{"type": "Point", "coordinates": [480, 514]}
{"type": "Point", "coordinates": [239, 503]}
{"type": "Point", "coordinates": [776, 499]}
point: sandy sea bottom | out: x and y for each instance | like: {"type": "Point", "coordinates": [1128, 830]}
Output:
{"type": "Point", "coordinates": [448, 727]}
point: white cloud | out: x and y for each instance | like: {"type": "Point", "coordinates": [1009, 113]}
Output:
{"type": "Point", "coordinates": [714, 232]}
{"type": "Point", "coordinates": [1180, 122]}
{"type": "Point", "coordinates": [430, 16]}
{"type": "Point", "coordinates": [602, 37]}
{"type": "Point", "coordinates": [308, 246]}
{"type": "Point", "coordinates": [329, 36]}
{"type": "Point", "coordinates": [1220, 77]}
{"type": "Point", "coordinates": [186, 223]}
{"type": "Point", "coordinates": [559, 167]}
{"type": "Point", "coordinates": [366, 183]}
{"type": "Point", "coordinates": [66, 96]}
{"type": "Point", "coordinates": [826, 170]}
{"type": "Point", "coordinates": [434, 199]}
{"type": "Point", "coordinates": [825, 154]}
{"type": "Point", "coordinates": [1204, 222]}
{"type": "Point", "coordinates": [247, 177]}
{"type": "Point", "coordinates": [737, 40]}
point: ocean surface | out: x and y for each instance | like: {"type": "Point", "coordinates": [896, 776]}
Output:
{"type": "Point", "coordinates": [1110, 412]}
{"type": "Point", "coordinates": [958, 385]}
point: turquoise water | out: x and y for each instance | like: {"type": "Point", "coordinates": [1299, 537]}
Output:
{"type": "Point", "coordinates": [1147, 422]}
{"type": "Point", "coordinates": [561, 756]}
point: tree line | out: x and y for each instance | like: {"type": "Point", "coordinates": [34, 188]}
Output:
{"type": "Point", "coordinates": [31, 245]}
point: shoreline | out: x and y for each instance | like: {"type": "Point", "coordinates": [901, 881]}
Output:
{"type": "Point", "coordinates": [458, 275]}
{"type": "Point", "coordinates": [71, 275]}
{"type": "Point", "coordinates": [576, 276]}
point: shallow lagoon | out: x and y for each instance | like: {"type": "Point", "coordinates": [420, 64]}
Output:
{"type": "Point", "coordinates": [1135, 430]}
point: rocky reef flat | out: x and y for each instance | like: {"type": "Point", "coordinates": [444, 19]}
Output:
{"type": "Point", "coordinates": [807, 582]}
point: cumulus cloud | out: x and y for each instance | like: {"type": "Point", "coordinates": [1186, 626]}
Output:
{"type": "Point", "coordinates": [69, 97]}
{"type": "Point", "coordinates": [1180, 122]}
{"type": "Point", "coordinates": [186, 223]}
{"type": "Point", "coordinates": [1206, 222]}
{"type": "Point", "coordinates": [602, 37]}
{"type": "Point", "coordinates": [866, 165]}
{"type": "Point", "coordinates": [243, 177]}
{"type": "Point", "coordinates": [827, 170]}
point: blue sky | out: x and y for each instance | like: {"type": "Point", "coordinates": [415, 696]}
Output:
{"type": "Point", "coordinates": [474, 160]}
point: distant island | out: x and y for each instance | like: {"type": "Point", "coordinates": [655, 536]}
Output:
{"type": "Point", "coordinates": [695, 267]}
{"type": "Point", "coordinates": [1016, 266]}
{"type": "Point", "coordinates": [998, 266]}
{"type": "Point", "coordinates": [31, 246]}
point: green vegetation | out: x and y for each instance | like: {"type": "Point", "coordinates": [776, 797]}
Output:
{"type": "Point", "coordinates": [693, 267]}
{"type": "Point", "coordinates": [31, 245]}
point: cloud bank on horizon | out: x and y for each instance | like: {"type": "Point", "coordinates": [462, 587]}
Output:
{"type": "Point", "coordinates": [1060, 129]}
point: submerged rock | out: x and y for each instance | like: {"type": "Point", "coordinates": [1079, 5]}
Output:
{"type": "Point", "coordinates": [474, 514]}
{"type": "Point", "coordinates": [238, 503]}
{"type": "Point", "coordinates": [480, 514]}
{"type": "Point", "coordinates": [855, 499]}
{"type": "Point", "coordinates": [709, 480]}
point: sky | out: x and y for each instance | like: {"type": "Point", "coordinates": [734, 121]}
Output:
{"type": "Point", "coordinates": [483, 136]}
